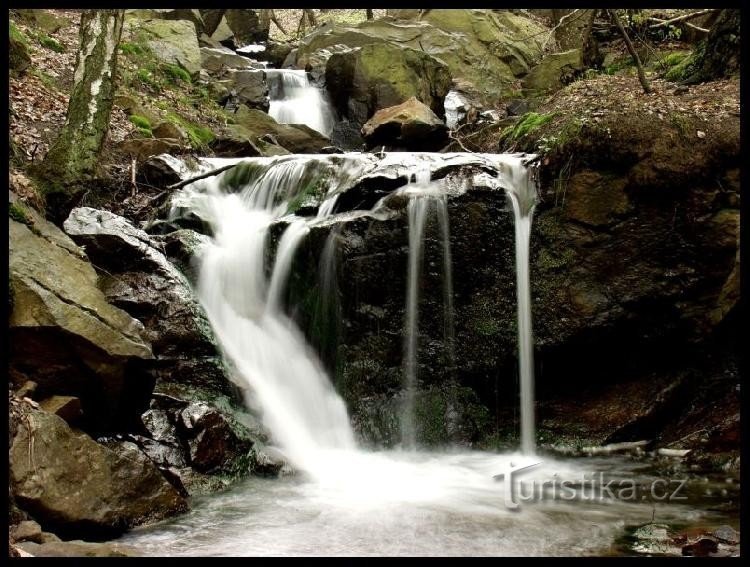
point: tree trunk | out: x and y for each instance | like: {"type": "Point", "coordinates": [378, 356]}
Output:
{"type": "Point", "coordinates": [74, 155]}
{"type": "Point", "coordinates": [718, 55]}
{"type": "Point", "coordinates": [368, 12]}
{"type": "Point", "coordinates": [631, 49]}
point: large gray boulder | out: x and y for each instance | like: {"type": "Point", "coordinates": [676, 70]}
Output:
{"type": "Point", "coordinates": [140, 279]}
{"type": "Point", "coordinates": [73, 485]}
{"type": "Point", "coordinates": [64, 334]}
{"type": "Point", "coordinates": [171, 41]}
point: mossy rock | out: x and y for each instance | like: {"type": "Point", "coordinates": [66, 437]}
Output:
{"type": "Point", "coordinates": [18, 53]}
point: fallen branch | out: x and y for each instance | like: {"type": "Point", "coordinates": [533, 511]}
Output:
{"type": "Point", "coordinates": [181, 184]}
{"type": "Point", "coordinates": [688, 24]}
{"type": "Point", "coordinates": [683, 17]}
{"type": "Point", "coordinates": [133, 185]}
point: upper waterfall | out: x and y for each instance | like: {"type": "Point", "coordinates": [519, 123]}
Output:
{"type": "Point", "coordinates": [294, 100]}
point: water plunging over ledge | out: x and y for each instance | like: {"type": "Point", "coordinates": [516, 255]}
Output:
{"type": "Point", "coordinates": [344, 500]}
{"type": "Point", "coordinates": [294, 100]}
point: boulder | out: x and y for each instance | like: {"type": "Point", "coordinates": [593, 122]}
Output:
{"type": "Point", "coordinates": [270, 461]}
{"type": "Point", "coordinates": [217, 60]}
{"type": "Point", "coordinates": [246, 26]}
{"type": "Point", "coordinates": [169, 131]}
{"type": "Point", "coordinates": [410, 125]}
{"type": "Point", "coordinates": [142, 280]}
{"type": "Point", "coordinates": [554, 72]}
{"type": "Point", "coordinates": [251, 125]}
{"type": "Point", "coordinates": [66, 407]}
{"type": "Point", "coordinates": [74, 485]}
{"type": "Point", "coordinates": [77, 548]}
{"type": "Point", "coordinates": [215, 443]}
{"type": "Point", "coordinates": [143, 148]}
{"type": "Point", "coordinates": [64, 335]}
{"type": "Point", "coordinates": [28, 530]}
{"type": "Point", "coordinates": [249, 88]}
{"type": "Point", "coordinates": [380, 75]}
{"type": "Point", "coordinates": [172, 42]}
{"type": "Point", "coordinates": [488, 49]}
{"type": "Point", "coordinates": [18, 55]}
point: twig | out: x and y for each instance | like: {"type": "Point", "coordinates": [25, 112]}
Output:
{"type": "Point", "coordinates": [631, 50]}
{"type": "Point", "coordinates": [452, 136]}
{"type": "Point", "coordinates": [683, 17]}
{"type": "Point", "coordinates": [688, 24]}
{"type": "Point", "coordinates": [133, 185]}
{"type": "Point", "coordinates": [211, 173]}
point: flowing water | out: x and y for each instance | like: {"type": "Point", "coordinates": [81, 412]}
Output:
{"type": "Point", "coordinates": [294, 100]}
{"type": "Point", "coordinates": [344, 500]}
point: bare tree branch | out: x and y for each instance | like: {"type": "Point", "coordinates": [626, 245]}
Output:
{"type": "Point", "coordinates": [629, 44]}
{"type": "Point", "coordinates": [682, 18]}
{"type": "Point", "coordinates": [181, 184]}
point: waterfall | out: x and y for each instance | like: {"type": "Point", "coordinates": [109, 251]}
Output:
{"type": "Point", "coordinates": [295, 101]}
{"type": "Point", "coordinates": [245, 299]}
{"type": "Point", "coordinates": [523, 195]}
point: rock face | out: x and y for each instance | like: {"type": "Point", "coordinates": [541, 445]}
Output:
{"type": "Point", "coordinates": [554, 72]}
{"type": "Point", "coordinates": [112, 493]}
{"type": "Point", "coordinates": [252, 125]}
{"type": "Point", "coordinates": [65, 335]}
{"type": "Point", "coordinates": [171, 41]}
{"type": "Point", "coordinates": [487, 49]}
{"type": "Point", "coordinates": [380, 75]}
{"type": "Point", "coordinates": [142, 281]}
{"type": "Point", "coordinates": [410, 125]}
{"type": "Point", "coordinates": [217, 59]}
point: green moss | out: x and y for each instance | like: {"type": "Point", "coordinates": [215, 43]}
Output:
{"type": "Point", "coordinates": [16, 34]}
{"type": "Point", "coordinates": [682, 124]}
{"type": "Point", "coordinates": [46, 79]}
{"type": "Point", "coordinates": [176, 74]}
{"type": "Point", "coordinates": [51, 43]}
{"type": "Point", "coordinates": [147, 78]}
{"type": "Point", "coordinates": [487, 327]}
{"type": "Point", "coordinates": [133, 49]}
{"type": "Point", "coordinates": [198, 136]}
{"type": "Point", "coordinates": [526, 124]}
{"type": "Point", "coordinates": [18, 213]}
{"type": "Point", "coordinates": [140, 121]}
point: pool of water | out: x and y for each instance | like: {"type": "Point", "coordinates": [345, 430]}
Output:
{"type": "Point", "coordinates": [394, 504]}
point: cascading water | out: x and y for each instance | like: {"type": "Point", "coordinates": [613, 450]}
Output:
{"type": "Point", "coordinates": [422, 195]}
{"type": "Point", "coordinates": [351, 501]}
{"type": "Point", "coordinates": [293, 100]}
{"type": "Point", "coordinates": [523, 198]}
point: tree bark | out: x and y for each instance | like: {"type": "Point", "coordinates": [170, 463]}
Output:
{"type": "Point", "coordinates": [718, 55]}
{"type": "Point", "coordinates": [368, 12]}
{"type": "Point", "coordinates": [74, 155]}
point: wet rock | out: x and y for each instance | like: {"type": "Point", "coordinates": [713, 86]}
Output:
{"type": "Point", "coordinates": [213, 441]}
{"type": "Point", "coordinates": [27, 530]}
{"type": "Point", "coordinates": [77, 486]}
{"type": "Point", "coordinates": [77, 548]}
{"type": "Point", "coordinates": [168, 130]}
{"type": "Point", "coordinates": [161, 170]}
{"type": "Point", "coordinates": [364, 80]}
{"type": "Point", "coordinates": [727, 534]}
{"type": "Point", "coordinates": [142, 281]}
{"type": "Point", "coordinates": [246, 26]}
{"type": "Point", "coordinates": [410, 125]}
{"type": "Point", "coordinates": [269, 461]}
{"type": "Point", "coordinates": [159, 425]}
{"type": "Point", "coordinates": [652, 539]}
{"type": "Point", "coordinates": [65, 335]}
{"type": "Point", "coordinates": [66, 407]}
{"type": "Point", "coordinates": [702, 547]}
{"type": "Point", "coordinates": [517, 107]}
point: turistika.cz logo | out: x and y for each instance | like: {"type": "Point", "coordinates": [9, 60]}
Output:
{"type": "Point", "coordinates": [587, 487]}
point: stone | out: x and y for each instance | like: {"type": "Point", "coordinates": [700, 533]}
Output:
{"type": "Point", "coordinates": [27, 389]}
{"type": "Point", "coordinates": [143, 148]}
{"type": "Point", "coordinates": [246, 26]}
{"type": "Point", "coordinates": [162, 170]}
{"type": "Point", "coordinates": [217, 60]}
{"type": "Point", "coordinates": [142, 280]}
{"type": "Point", "coordinates": [168, 130]}
{"type": "Point", "coordinates": [270, 462]}
{"type": "Point", "coordinates": [77, 486]}
{"type": "Point", "coordinates": [410, 125]}
{"type": "Point", "coordinates": [249, 87]}
{"type": "Point", "coordinates": [727, 534]}
{"type": "Point", "coordinates": [171, 41]}
{"type": "Point", "coordinates": [484, 48]}
{"type": "Point", "coordinates": [363, 80]}
{"type": "Point", "coordinates": [159, 426]}
{"type": "Point", "coordinates": [18, 55]}
{"type": "Point", "coordinates": [28, 530]}
{"type": "Point", "coordinates": [554, 72]}
{"type": "Point", "coordinates": [213, 441]}
{"type": "Point", "coordinates": [77, 548]}
{"type": "Point", "coordinates": [66, 407]}
{"type": "Point", "coordinates": [702, 547]}
{"type": "Point", "coordinates": [252, 124]}
{"type": "Point", "coordinates": [65, 336]}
